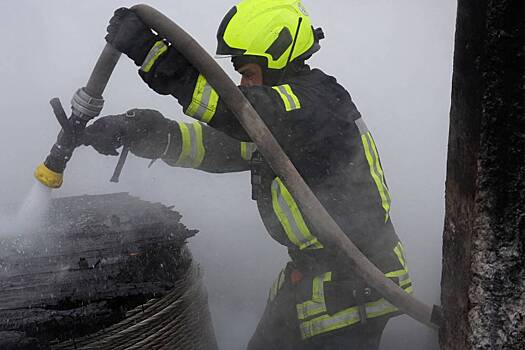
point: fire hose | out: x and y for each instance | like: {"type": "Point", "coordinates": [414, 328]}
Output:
{"type": "Point", "coordinates": [87, 104]}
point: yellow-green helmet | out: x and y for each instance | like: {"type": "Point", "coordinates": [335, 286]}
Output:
{"type": "Point", "coordinates": [268, 28]}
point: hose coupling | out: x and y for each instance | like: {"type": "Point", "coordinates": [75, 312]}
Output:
{"type": "Point", "coordinates": [85, 106]}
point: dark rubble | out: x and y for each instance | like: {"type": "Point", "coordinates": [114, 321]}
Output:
{"type": "Point", "coordinates": [105, 271]}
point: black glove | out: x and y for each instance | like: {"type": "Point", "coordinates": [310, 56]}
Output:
{"type": "Point", "coordinates": [129, 35]}
{"type": "Point", "coordinates": [148, 133]}
{"type": "Point", "coordinates": [106, 134]}
{"type": "Point", "coordinates": [144, 130]}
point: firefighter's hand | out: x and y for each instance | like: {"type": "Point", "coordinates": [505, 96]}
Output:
{"type": "Point", "coordinates": [144, 130]}
{"type": "Point", "coordinates": [129, 35]}
{"type": "Point", "coordinates": [149, 133]}
{"type": "Point", "coordinates": [106, 134]}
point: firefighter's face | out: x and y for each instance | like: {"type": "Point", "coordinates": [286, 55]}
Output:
{"type": "Point", "coordinates": [251, 74]}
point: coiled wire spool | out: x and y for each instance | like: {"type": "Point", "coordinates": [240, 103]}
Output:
{"type": "Point", "coordinates": [179, 320]}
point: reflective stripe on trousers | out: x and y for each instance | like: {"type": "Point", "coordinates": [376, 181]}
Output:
{"type": "Point", "coordinates": [277, 285]}
{"type": "Point", "coordinates": [349, 316]}
{"type": "Point", "coordinates": [247, 149]}
{"type": "Point", "coordinates": [318, 304]}
{"type": "Point", "coordinates": [291, 218]}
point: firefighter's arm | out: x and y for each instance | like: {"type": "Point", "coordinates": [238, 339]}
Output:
{"type": "Point", "coordinates": [200, 101]}
{"type": "Point", "coordinates": [195, 145]}
{"type": "Point", "coordinates": [150, 135]}
{"type": "Point", "coordinates": [167, 72]}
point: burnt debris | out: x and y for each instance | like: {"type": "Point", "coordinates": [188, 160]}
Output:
{"type": "Point", "coordinates": [103, 271]}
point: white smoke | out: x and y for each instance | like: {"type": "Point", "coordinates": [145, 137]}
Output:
{"type": "Point", "coordinates": [395, 58]}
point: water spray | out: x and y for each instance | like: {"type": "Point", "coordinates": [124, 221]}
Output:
{"type": "Point", "coordinates": [30, 215]}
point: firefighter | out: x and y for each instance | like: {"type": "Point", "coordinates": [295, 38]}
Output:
{"type": "Point", "coordinates": [316, 302]}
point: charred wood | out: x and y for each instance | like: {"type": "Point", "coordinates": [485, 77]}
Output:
{"type": "Point", "coordinates": [99, 264]}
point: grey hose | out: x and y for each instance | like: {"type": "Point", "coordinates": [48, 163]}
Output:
{"type": "Point", "coordinates": [281, 165]}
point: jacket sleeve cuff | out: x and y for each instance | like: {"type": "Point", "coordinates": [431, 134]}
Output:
{"type": "Point", "coordinates": [186, 148]}
{"type": "Point", "coordinates": [204, 100]}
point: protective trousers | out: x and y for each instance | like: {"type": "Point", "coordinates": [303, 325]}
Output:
{"type": "Point", "coordinates": [279, 327]}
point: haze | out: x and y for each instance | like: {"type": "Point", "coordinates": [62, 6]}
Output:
{"type": "Point", "coordinates": [394, 57]}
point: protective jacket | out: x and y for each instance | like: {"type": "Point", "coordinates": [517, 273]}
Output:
{"type": "Point", "coordinates": [318, 126]}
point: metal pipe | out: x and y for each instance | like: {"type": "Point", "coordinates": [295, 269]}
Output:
{"type": "Point", "coordinates": [281, 165]}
